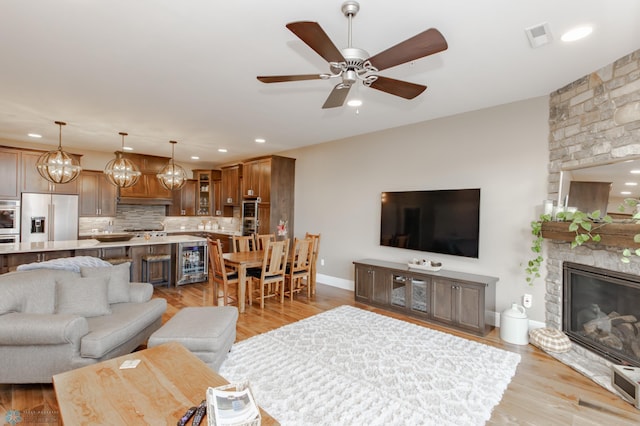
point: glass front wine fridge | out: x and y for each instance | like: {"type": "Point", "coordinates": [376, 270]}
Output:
{"type": "Point", "coordinates": [193, 263]}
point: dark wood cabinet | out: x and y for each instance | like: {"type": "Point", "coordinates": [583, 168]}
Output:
{"type": "Point", "coordinates": [10, 173]}
{"type": "Point", "coordinates": [456, 299]}
{"type": "Point", "coordinates": [230, 176]}
{"type": "Point", "coordinates": [207, 192]}
{"type": "Point", "coordinates": [33, 182]}
{"type": "Point", "coordinates": [148, 186]}
{"type": "Point", "coordinates": [98, 196]}
{"type": "Point", "coordinates": [11, 261]}
{"type": "Point", "coordinates": [184, 200]}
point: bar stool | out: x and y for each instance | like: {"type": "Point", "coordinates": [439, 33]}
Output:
{"type": "Point", "coordinates": [151, 259]}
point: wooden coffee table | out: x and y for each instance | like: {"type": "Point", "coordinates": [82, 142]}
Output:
{"type": "Point", "coordinates": [168, 380]}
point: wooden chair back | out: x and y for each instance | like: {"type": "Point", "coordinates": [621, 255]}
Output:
{"type": "Point", "coordinates": [262, 239]}
{"type": "Point", "coordinates": [299, 274]}
{"type": "Point", "coordinates": [221, 276]}
{"type": "Point", "coordinates": [272, 273]}
{"type": "Point", "coordinates": [242, 243]}
{"type": "Point", "coordinates": [314, 260]}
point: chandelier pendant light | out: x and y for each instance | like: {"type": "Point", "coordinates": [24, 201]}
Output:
{"type": "Point", "coordinates": [172, 176]}
{"type": "Point", "coordinates": [121, 171]}
{"type": "Point", "coordinates": [58, 166]}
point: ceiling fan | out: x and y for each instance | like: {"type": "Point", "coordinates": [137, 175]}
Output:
{"type": "Point", "coordinates": [353, 64]}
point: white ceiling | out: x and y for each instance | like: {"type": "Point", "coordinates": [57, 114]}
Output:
{"type": "Point", "coordinates": [186, 70]}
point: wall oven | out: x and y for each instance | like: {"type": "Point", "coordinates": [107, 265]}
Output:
{"type": "Point", "coordinates": [10, 218]}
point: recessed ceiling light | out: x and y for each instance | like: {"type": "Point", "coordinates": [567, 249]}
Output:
{"type": "Point", "coordinates": [127, 148]}
{"type": "Point", "coordinates": [34, 135]}
{"type": "Point", "coordinates": [631, 183]}
{"type": "Point", "coordinates": [635, 172]}
{"type": "Point", "coordinates": [260, 140]}
{"type": "Point", "coordinates": [195, 157]}
{"type": "Point", "coordinates": [576, 33]}
{"type": "Point", "coordinates": [625, 192]}
{"type": "Point", "coordinates": [222, 149]}
{"type": "Point", "coordinates": [354, 103]}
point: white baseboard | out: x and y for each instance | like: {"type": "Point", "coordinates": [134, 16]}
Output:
{"type": "Point", "coordinates": [335, 282]}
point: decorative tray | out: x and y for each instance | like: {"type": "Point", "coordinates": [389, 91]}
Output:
{"type": "Point", "coordinates": [427, 266]}
{"type": "Point", "coordinates": [114, 237]}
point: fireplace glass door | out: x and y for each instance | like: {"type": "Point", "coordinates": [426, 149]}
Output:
{"type": "Point", "coordinates": [602, 311]}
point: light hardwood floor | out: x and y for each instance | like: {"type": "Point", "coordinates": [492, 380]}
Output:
{"type": "Point", "coordinates": [543, 391]}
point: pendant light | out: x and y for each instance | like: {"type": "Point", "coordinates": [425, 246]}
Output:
{"type": "Point", "coordinates": [121, 171]}
{"type": "Point", "coordinates": [58, 166]}
{"type": "Point", "coordinates": [172, 176]}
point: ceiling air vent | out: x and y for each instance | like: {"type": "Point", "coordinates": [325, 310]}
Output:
{"type": "Point", "coordinates": [538, 35]}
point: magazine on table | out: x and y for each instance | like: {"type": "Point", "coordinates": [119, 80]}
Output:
{"type": "Point", "coordinates": [232, 407]}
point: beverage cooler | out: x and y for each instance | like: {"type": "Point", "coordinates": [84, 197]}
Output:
{"type": "Point", "coordinates": [192, 263]}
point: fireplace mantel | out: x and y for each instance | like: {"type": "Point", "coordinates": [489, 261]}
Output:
{"type": "Point", "coordinates": [611, 234]}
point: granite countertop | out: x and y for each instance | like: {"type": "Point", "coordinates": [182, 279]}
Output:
{"type": "Point", "coordinates": [91, 243]}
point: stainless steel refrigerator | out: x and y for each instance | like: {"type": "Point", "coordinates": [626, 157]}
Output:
{"type": "Point", "coordinates": [49, 217]}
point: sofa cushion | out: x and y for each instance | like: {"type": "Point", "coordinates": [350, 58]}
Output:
{"type": "Point", "coordinates": [126, 320]}
{"type": "Point", "coordinates": [118, 288]}
{"type": "Point", "coordinates": [31, 291]}
{"type": "Point", "coordinates": [86, 297]}
{"type": "Point", "coordinates": [65, 263]}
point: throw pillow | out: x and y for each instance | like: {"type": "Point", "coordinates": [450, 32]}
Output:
{"type": "Point", "coordinates": [86, 297]}
{"type": "Point", "coordinates": [118, 280]}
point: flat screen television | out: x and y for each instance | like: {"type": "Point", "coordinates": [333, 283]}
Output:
{"type": "Point", "coordinates": [437, 221]}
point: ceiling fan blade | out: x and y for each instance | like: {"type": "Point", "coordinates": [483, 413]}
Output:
{"type": "Point", "coordinates": [337, 96]}
{"type": "Point", "coordinates": [424, 44]}
{"type": "Point", "coordinates": [315, 37]}
{"type": "Point", "coordinates": [285, 78]}
{"type": "Point", "coordinates": [404, 89]}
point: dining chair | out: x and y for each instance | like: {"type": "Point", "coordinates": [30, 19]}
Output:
{"type": "Point", "coordinates": [314, 260]}
{"type": "Point", "coordinates": [243, 243]}
{"type": "Point", "coordinates": [222, 276]}
{"type": "Point", "coordinates": [299, 269]}
{"type": "Point", "coordinates": [261, 240]}
{"type": "Point", "coordinates": [270, 280]}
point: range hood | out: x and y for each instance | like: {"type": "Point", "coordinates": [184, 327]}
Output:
{"type": "Point", "coordinates": [138, 201]}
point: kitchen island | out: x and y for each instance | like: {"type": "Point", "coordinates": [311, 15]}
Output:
{"type": "Point", "coordinates": [12, 255]}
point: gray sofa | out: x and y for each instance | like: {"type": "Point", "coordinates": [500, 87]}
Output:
{"type": "Point", "coordinates": [55, 320]}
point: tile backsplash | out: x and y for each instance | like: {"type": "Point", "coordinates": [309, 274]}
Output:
{"type": "Point", "coordinates": [152, 217]}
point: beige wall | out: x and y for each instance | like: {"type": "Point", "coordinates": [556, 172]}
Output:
{"type": "Point", "coordinates": [502, 150]}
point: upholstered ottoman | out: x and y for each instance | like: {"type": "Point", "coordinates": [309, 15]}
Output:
{"type": "Point", "coordinates": [208, 332]}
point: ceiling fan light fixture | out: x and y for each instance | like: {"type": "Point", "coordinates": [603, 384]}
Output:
{"type": "Point", "coordinates": [58, 166]}
{"type": "Point", "coordinates": [121, 171]}
{"type": "Point", "coordinates": [172, 176]}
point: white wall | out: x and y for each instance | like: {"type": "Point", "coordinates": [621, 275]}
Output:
{"type": "Point", "coordinates": [502, 150]}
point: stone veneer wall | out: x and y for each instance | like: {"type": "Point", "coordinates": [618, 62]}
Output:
{"type": "Point", "coordinates": [593, 120]}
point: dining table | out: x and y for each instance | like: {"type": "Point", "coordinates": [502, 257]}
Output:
{"type": "Point", "coordinates": [242, 261]}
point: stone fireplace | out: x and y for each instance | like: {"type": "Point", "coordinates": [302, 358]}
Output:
{"type": "Point", "coordinates": [594, 120]}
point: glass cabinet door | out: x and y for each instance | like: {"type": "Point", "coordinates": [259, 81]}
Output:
{"type": "Point", "coordinates": [399, 291]}
{"type": "Point", "coordinates": [419, 295]}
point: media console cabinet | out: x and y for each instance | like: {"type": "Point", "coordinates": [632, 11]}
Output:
{"type": "Point", "coordinates": [460, 300]}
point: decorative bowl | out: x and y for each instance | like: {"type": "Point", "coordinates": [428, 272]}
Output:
{"type": "Point", "coordinates": [426, 265]}
{"type": "Point", "coordinates": [113, 237]}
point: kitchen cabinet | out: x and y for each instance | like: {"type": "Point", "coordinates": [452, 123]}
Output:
{"type": "Point", "coordinates": [148, 188]}
{"type": "Point", "coordinates": [10, 173]}
{"type": "Point", "coordinates": [456, 299]}
{"type": "Point", "coordinates": [272, 179]}
{"type": "Point", "coordinates": [33, 182]}
{"type": "Point", "coordinates": [216, 208]}
{"type": "Point", "coordinates": [184, 200]}
{"type": "Point", "coordinates": [12, 261]}
{"type": "Point", "coordinates": [98, 196]}
{"type": "Point", "coordinates": [105, 253]}
{"type": "Point", "coordinates": [231, 176]}
{"type": "Point", "coordinates": [208, 198]}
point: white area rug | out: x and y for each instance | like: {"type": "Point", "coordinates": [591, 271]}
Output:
{"type": "Point", "coordinates": [348, 366]}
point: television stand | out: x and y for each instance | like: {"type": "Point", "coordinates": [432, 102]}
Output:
{"type": "Point", "coordinates": [456, 299]}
